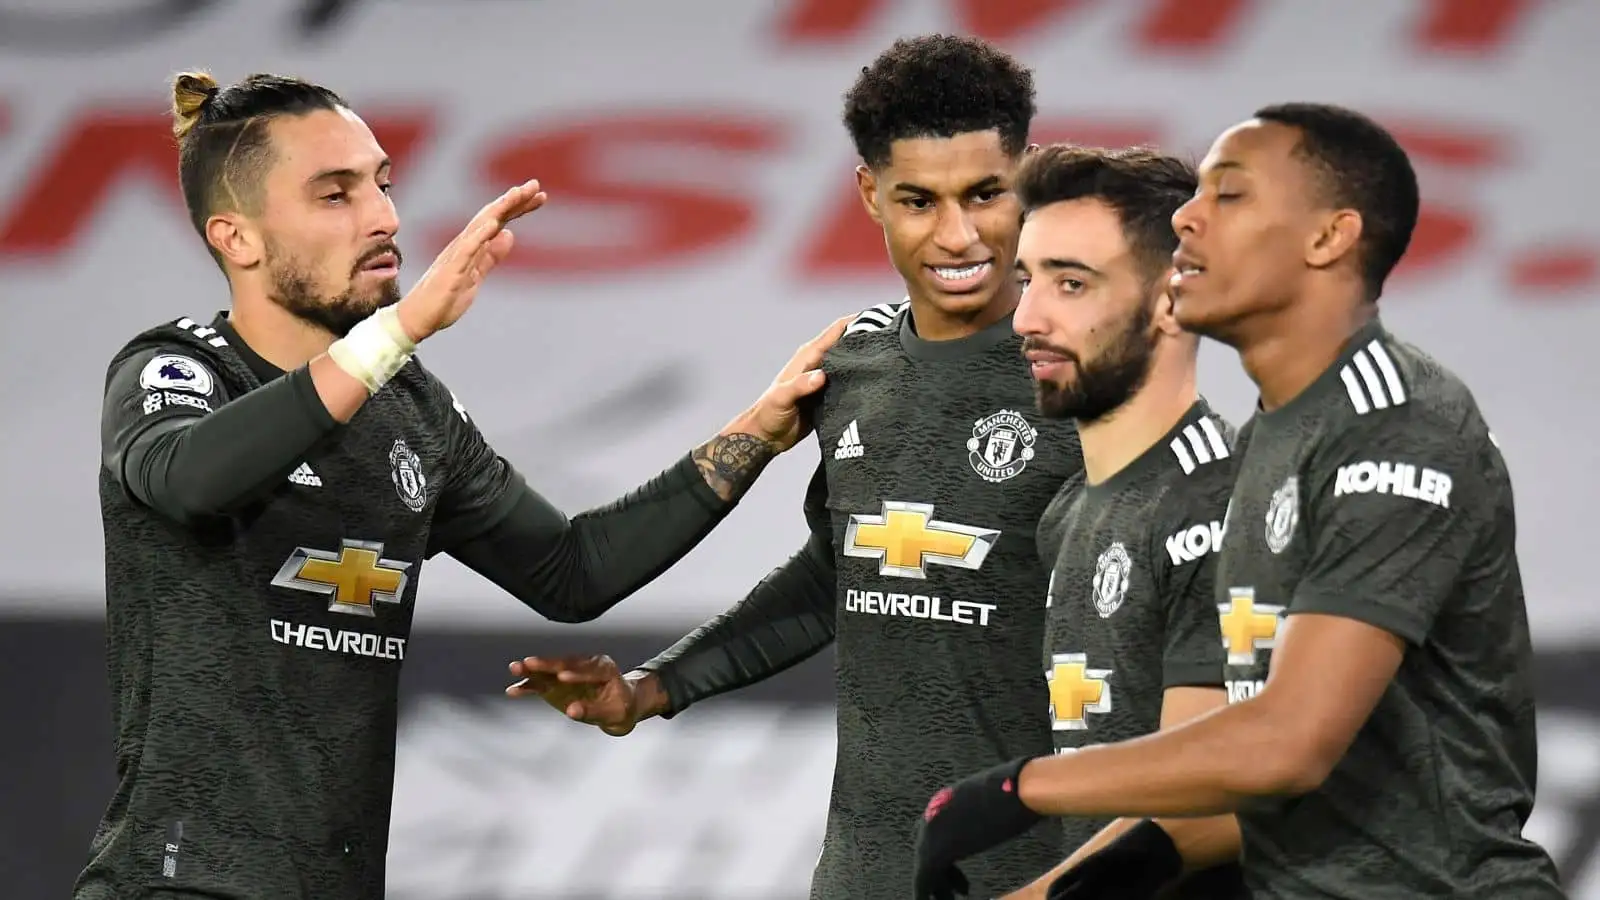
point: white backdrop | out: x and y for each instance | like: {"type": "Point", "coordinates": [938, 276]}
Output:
{"type": "Point", "coordinates": [699, 226]}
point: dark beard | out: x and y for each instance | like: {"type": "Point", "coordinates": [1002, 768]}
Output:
{"type": "Point", "coordinates": [1105, 383]}
{"type": "Point", "coordinates": [293, 290]}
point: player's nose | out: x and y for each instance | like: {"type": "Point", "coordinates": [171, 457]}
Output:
{"type": "Point", "coordinates": [1186, 219]}
{"type": "Point", "coordinates": [955, 232]}
{"type": "Point", "coordinates": [385, 219]}
{"type": "Point", "coordinates": [1028, 318]}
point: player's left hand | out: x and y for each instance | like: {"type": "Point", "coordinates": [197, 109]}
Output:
{"type": "Point", "coordinates": [979, 812]}
{"type": "Point", "coordinates": [587, 689]}
{"type": "Point", "coordinates": [777, 417]}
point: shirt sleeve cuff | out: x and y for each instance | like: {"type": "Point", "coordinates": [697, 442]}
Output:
{"type": "Point", "coordinates": [1188, 673]}
{"type": "Point", "coordinates": [1379, 615]}
{"type": "Point", "coordinates": [671, 685]}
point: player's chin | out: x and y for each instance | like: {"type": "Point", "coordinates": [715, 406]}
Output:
{"type": "Point", "coordinates": [1199, 314]}
{"type": "Point", "coordinates": [961, 300]}
{"type": "Point", "coordinates": [1053, 400]}
{"type": "Point", "coordinates": [373, 297]}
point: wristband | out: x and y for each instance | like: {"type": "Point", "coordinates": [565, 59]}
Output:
{"type": "Point", "coordinates": [374, 350]}
{"type": "Point", "coordinates": [1135, 866]}
{"type": "Point", "coordinates": [1149, 845]}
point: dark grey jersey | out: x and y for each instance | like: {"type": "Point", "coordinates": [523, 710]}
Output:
{"type": "Point", "coordinates": [936, 471]}
{"type": "Point", "coordinates": [1131, 608]}
{"type": "Point", "coordinates": [262, 564]}
{"type": "Point", "coordinates": [255, 659]}
{"type": "Point", "coordinates": [1378, 494]}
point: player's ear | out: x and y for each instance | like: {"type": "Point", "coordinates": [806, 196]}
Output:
{"type": "Point", "coordinates": [236, 239]}
{"type": "Point", "coordinates": [1164, 319]}
{"type": "Point", "coordinates": [1336, 239]}
{"type": "Point", "coordinates": [867, 187]}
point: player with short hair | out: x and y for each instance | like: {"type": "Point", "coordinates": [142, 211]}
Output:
{"type": "Point", "coordinates": [1380, 737]}
{"type": "Point", "coordinates": [1131, 637]}
{"type": "Point", "coordinates": [921, 560]}
{"type": "Point", "coordinates": [273, 478]}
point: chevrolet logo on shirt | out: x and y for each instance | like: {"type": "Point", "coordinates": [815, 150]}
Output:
{"type": "Point", "coordinates": [1075, 691]}
{"type": "Point", "coordinates": [905, 539]}
{"type": "Point", "coordinates": [354, 578]}
{"type": "Point", "coordinates": [1247, 626]}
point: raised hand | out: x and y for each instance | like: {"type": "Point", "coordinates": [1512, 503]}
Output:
{"type": "Point", "coordinates": [731, 461]}
{"type": "Point", "coordinates": [447, 289]}
{"type": "Point", "coordinates": [777, 415]}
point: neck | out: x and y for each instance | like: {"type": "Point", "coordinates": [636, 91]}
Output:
{"type": "Point", "coordinates": [1288, 350]}
{"type": "Point", "coordinates": [275, 334]}
{"type": "Point", "coordinates": [935, 324]}
{"type": "Point", "coordinates": [1113, 442]}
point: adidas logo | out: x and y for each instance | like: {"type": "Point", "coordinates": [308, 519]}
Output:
{"type": "Point", "coordinates": [850, 443]}
{"type": "Point", "coordinates": [304, 476]}
{"type": "Point", "coordinates": [1372, 380]}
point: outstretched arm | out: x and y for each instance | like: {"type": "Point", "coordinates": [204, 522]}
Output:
{"type": "Point", "coordinates": [787, 618]}
{"type": "Point", "coordinates": [784, 620]}
{"type": "Point", "coordinates": [1381, 567]}
{"type": "Point", "coordinates": [1152, 851]}
{"type": "Point", "coordinates": [575, 570]}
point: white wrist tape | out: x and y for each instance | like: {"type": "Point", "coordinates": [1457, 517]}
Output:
{"type": "Point", "coordinates": [373, 350]}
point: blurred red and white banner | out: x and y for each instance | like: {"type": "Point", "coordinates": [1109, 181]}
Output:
{"type": "Point", "coordinates": [701, 221]}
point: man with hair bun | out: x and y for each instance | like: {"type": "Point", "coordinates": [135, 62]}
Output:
{"type": "Point", "coordinates": [273, 477]}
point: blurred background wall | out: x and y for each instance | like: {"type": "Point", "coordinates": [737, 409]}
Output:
{"type": "Point", "coordinates": [702, 224]}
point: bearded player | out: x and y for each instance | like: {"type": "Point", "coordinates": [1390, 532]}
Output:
{"type": "Point", "coordinates": [1380, 739]}
{"type": "Point", "coordinates": [273, 478]}
{"type": "Point", "coordinates": [1131, 636]}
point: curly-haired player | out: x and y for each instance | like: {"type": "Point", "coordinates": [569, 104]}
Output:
{"type": "Point", "coordinates": [921, 560]}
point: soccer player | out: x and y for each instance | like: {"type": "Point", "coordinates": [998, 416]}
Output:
{"type": "Point", "coordinates": [1380, 737]}
{"type": "Point", "coordinates": [1131, 640]}
{"type": "Point", "coordinates": [921, 560]}
{"type": "Point", "coordinates": [273, 478]}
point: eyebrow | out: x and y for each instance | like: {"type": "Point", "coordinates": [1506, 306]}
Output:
{"type": "Point", "coordinates": [1056, 264]}
{"type": "Point", "coordinates": [990, 182]}
{"type": "Point", "coordinates": [344, 174]}
{"type": "Point", "coordinates": [1224, 165]}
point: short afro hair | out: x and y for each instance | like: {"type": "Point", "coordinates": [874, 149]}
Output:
{"type": "Point", "coordinates": [1362, 167]}
{"type": "Point", "coordinates": [1143, 186]}
{"type": "Point", "coordinates": [938, 86]}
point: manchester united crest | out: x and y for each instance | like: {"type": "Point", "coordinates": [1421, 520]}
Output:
{"type": "Point", "coordinates": [1001, 445]}
{"type": "Point", "coordinates": [405, 470]}
{"type": "Point", "coordinates": [1283, 514]}
{"type": "Point", "coordinates": [1111, 574]}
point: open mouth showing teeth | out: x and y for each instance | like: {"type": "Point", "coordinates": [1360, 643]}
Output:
{"type": "Point", "coordinates": [957, 274]}
{"type": "Point", "coordinates": [1190, 270]}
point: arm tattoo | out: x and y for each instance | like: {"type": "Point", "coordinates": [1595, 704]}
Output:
{"type": "Point", "coordinates": [730, 462]}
